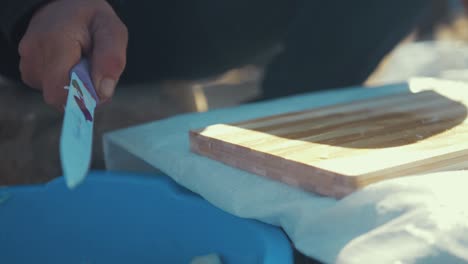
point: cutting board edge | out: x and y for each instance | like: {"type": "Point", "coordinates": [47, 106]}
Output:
{"type": "Point", "coordinates": [345, 184]}
{"type": "Point", "coordinates": [411, 169]}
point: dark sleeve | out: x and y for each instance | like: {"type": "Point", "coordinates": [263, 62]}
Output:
{"type": "Point", "coordinates": [15, 16]}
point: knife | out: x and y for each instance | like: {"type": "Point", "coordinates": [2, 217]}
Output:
{"type": "Point", "coordinates": [77, 131]}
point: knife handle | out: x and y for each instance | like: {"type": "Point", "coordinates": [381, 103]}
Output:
{"type": "Point", "coordinates": [82, 70]}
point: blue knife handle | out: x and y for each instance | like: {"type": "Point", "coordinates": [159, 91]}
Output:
{"type": "Point", "coordinates": [82, 70]}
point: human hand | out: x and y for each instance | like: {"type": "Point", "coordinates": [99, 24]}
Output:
{"type": "Point", "coordinates": [63, 31]}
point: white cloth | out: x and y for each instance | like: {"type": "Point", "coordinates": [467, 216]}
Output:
{"type": "Point", "coordinates": [407, 220]}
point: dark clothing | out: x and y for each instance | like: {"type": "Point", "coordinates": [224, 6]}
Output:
{"type": "Point", "coordinates": [14, 16]}
{"type": "Point", "coordinates": [332, 44]}
{"type": "Point", "coordinates": [327, 44]}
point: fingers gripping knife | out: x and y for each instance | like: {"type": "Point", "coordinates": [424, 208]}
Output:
{"type": "Point", "coordinates": [77, 131]}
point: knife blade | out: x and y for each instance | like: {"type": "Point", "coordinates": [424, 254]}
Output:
{"type": "Point", "coordinates": [77, 131]}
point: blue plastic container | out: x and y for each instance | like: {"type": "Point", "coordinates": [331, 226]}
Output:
{"type": "Point", "coordinates": [126, 218]}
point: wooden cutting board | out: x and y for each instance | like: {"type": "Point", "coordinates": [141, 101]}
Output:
{"type": "Point", "coordinates": [336, 150]}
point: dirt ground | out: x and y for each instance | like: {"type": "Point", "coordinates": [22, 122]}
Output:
{"type": "Point", "coordinates": [30, 130]}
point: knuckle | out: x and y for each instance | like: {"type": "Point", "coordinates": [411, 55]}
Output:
{"type": "Point", "coordinates": [114, 62]}
{"type": "Point", "coordinates": [123, 30]}
{"type": "Point", "coordinates": [25, 47]}
{"type": "Point", "coordinates": [120, 62]}
{"type": "Point", "coordinates": [26, 76]}
{"type": "Point", "coordinates": [23, 70]}
{"type": "Point", "coordinates": [53, 36]}
{"type": "Point", "coordinates": [32, 44]}
{"type": "Point", "coordinates": [114, 25]}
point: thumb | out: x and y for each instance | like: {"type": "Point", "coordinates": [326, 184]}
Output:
{"type": "Point", "coordinates": [108, 55]}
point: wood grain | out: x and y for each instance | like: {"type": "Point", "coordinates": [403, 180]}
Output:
{"type": "Point", "coordinates": [336, 150]}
